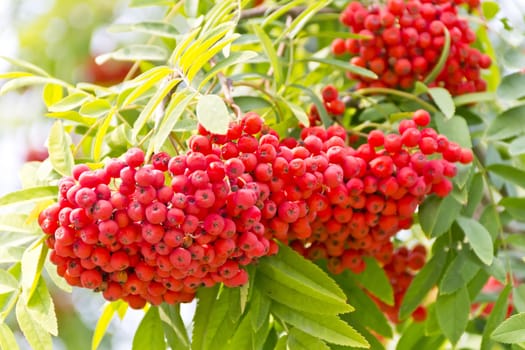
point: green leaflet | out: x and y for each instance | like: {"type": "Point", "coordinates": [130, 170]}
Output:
{"type": "Point", "coordinates": [496, 317]}
{"type": "Point", "coordinates": [436, 215]}
{"type": "Point", "coordinates": [327, 327]}
{"type": "Point", "coordinates": [511, 330]}
{"type": "Point", "coordinates": [295, 272]}
{"type": "Point", "coordinates": [150, 334]}
{"type": "Point", "coordinates": [59, 146]}
{"type": "Point", "coordinates": [452, 313]}
{"type": "Point", "coordinates": [479, 239]}
{"type": "Point", "coordinates": [425, 279]}
{"type": "Point", "coordinates": [37, 337]}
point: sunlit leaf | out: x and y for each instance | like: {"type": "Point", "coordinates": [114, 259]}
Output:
{"type": "Point", "coordinates": [103, 322]}
{"type": "Point", "coordinates": [42, 309]}
{"type": "Point", "coordinates": [51, 94]}
{"type": "Point", "coordinates": [73, 116]}
{"type": "Point", "coordinates": [213, 114]}
{"type": "Point", "coordinates": [234, 59]}
{"type": "Point", "coordinates": [136, 53]}
{"type": "Point", "coordinates": [32, 263]}
{"type": "Point", "coordinates": [26, 65]}
{"type": "Point", "coordinates": [70, 102]}
{"type": "Point", "coordinates": [345, 66]}
{"type": "Point", "coordinates": [508, 124]}
{"type": "Point", "coordinates": [174, 327]}
{"type": "Point", "coordinates": [101, 134]}
{"type": "Point", "coordinates": [7, 282]}
{"type": "Point", "coordinates": [95, 108]}
{"type": "Point", "coordinates": [140, 3]}
{"type": "Point", "coordinates": [23, 82]}
{"type": "Point", "coordinates": [299, 340]}
{"type": "Point", "coordinates": [7, 338]}
{"type": "Point", "coordinates": [161, 29]}
{"type": "Point", "coordinates": [37, 337]}
{"type": "Point", "coordinates": [59, 147]}
{"type": "Point", "coordinates": [511, 330]}
{"type": "Point", "coordinates": [443, 100]}
{"type": "Point", "coordinates": [270, 51]}
{"type": "Point", "coordinates": [474, 97]}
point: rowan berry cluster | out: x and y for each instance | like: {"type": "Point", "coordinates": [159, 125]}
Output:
{"type": "Point", "coordinates": [156, 232]}
{"type": "Point", "coordinates": [380, 184]}
{"type": "Point", "coordinates": [403, 41]}
{"type": "Point", "coordinates": [401, 271]}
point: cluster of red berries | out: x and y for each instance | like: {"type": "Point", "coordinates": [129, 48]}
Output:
{"type": "Point", "coordinates": [157, 232]}
{"type": "Point", "coordinates": [390, 176]}
{"type": "Point", "coordinates": [403, 42]}
{"type": "Point", "coordinates": [401, 271]}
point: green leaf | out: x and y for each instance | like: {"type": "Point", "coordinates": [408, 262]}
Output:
{"type": "Point", "coordinates": [297, 298]}
{"type": "Point", "coordinates": [37, 337]}
{"type": "Point", "coordinates": [300, 21]}
{"type": "Point", "coordinates": [440, 64]}
{"type": "Point", "coordinates": [508, 124]}
{"type": "Point", "coordinates": [101, 134]}
{"type": "Point", "coordinates": [345, 66]}
{"type": "Point", "coordinates": [474, 97]}
{"type": "Point", "coordinates": [460, 272]}
{"type": "Point", "coordinates": [32, 262]}
{"type": "Point", "coordinates": [510, 86]}
{"type": "Point", "coordinates": [150, 334]}
{"type": "Point", "coordinates": [174, 328]}
{"type": "Point", "coordinates": [375, 280]}
{"type": "Point", "coordinates": [517, 146]}
{"type": "Point", "coordinates": [23, 82]}
{"type": "Point", "coordinates": [298, 112]}
{"type": "Point", "coordinates": [509, 173]}
{"type": "Point", "coordinates": [455, 128]}
{"type": "Point", "coordinates": [178, 104]}
{"type": "Point", "coordinates": [15, 223]}
{"type": "Point", "coordinates": [147, 82]}
{"type": "Point", "coordinates": [314, 98]}
{"type": "Point", "coordinates": [518, 297]}
{"type": "Point", "coordinates": [7, 282]}
{"type": "Point", "coordinates": [490, 9]}
{"type": "Point", "coordinates": [443, 100]}
{"type": "Point", "coordinates": [326, 327]}
{"type": "Point", "coordinates": [51, 94]}
{"type": "Point", "coordinates": [96, 108]}
{"type": "Point", "coordinates": [491, 221]}
{"type": "Point", "coordinates": [55, 278]}
{"type": "Point", "coordinates": [452, 312]}
{"type": "Point", "coordinates": [42, 309]}
{"type": "Point", "coordinates": [234, 59]}
{"type": "Point", "coordinates": [515, 206]}
{"type": "Point", "coordinates": [496, 316]}
{"type": "Point", "coordinates": [59, 146]}
{"type": "Point", "coordinates": [479, 239]}
{"type": "Point", "coordinates": [299, 340]}
{"type": "Point", "coordinates": [293, 271]}
{"type": "Point", "coordinates": [211, 312]}
{"type": "Point", "coordinates": [7, 338]}
{"type": "Point", "coordinates": [73, 116]}
{"type": "Point", "coordinates": [152, 106]}
{"type": "Point", "coordinates": [436, 215]}
{"type": "Point", "coordinates": [136, 53]}
{"type": "Point", "coordinates": [26, 65]}
{"type": "Point", "coordinates": [270, 51]}
{"type": "Point", "coordinates": [103, 322]}
{"type": "Point", "coordinates": [367, 314]}
{"type": "Point", "coordinates": [260, 308]}
{"type": "Point", "coordinates": [213, 114]}
{"type": "Point", "coordinates": [70, 102]}
{"type": "Point", "coordinates": [410, 336]}
{"type": "Point", "coordinates": [161, 29]}
{"type": "Point", "coordinates": [475, 194]}
{"type": "Point", "coordinates": [422, 283]}
{"type": "Point", "coordinates": [33, 194]}
{"type": "Point", "coordinates": [511, 330]}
